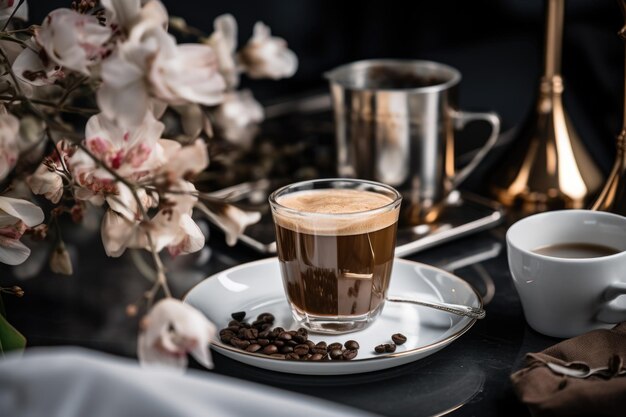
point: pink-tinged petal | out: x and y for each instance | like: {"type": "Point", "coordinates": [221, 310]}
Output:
{"type": "Point", "coordinates": [23, 210]}
{"type": "Point", "coordinates": [46, 183]}
{"type": "Point", "coordinates": [239, 116]}
{"type": "Point", "coordinates": [155, 13]}
{"type": "Point", "coordinates": [190, 76]}
{"type": "Point", "coordinates": [185, 160]}
{"type": "Point", "coordinates": [29, 67]}
{"type": "Point", "coordinates": [192, 238]}
{"type": "Point", "coordinates": [124, 12]}
{"type": "Point", "coordinates": [123, 96]}
{"type": "Point", "coordinates": [170, 331]}
{"type": "Point", "coordinates": [9, 148]}
{"type": "Point", "coordinates": [12, 251]}
{"type": "Point", "coordinates": [224, 43]}
{"type": "Point", "coordinates": [116, 232]}
{"type": "Point", "coordinates": [265, 56]}
{"type": "Point", "coordinates": [73, 40]}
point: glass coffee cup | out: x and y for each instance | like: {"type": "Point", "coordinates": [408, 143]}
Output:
{"type": "Point", "coordinates": [336, 240]}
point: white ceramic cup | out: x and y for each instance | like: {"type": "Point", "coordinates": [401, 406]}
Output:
{"type": "Point", "coordinates": [565, 297]}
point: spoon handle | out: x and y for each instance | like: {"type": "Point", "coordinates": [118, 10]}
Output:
{"type": "Point", "coordinates": [461, 310]}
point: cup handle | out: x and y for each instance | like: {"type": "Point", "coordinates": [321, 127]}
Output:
{"type": "Point", "coordinates": [461, 118]}
{"type": "Point", "coordinates": [610, 313]}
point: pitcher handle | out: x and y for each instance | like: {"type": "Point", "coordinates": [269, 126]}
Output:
{"type": "Point", "coordinates": [461, 118]}
{"type": "Point", "coordinates": [610, 313]}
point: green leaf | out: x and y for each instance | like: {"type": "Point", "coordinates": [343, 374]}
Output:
{"type": "Point", "coordinates": [10, 338]}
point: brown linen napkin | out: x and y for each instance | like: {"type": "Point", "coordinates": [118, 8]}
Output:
{"type": "Point", "coordinates": [547, 393]}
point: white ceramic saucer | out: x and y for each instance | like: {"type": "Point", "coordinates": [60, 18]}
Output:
{"type": "Point", "coordinates": [257, 287]}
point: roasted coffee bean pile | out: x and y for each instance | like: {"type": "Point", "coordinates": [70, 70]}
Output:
{"type": "Point", "coordinates": [260, 337]}
{"type": "Point", "coordinates": [397, 338]}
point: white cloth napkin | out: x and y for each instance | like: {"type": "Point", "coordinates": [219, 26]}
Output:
{"type": "Point", "coordinates": [75, 382]}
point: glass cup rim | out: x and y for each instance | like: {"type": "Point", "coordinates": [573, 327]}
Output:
{"type": "Point", "coordinates": [275, 205]}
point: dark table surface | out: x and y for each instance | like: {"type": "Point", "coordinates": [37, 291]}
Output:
{"type": "Point", "coordinates": [470, 377]}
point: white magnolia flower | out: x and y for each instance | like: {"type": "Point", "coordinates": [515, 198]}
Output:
{"type": "Point", "coordinates": [16, 216]}
{"type": "Point", "coordinates": [125, 14]}
{"type": "Point", "coordinates": [238, 116]}
{"type": "Point", "coordinates": [9, 147]}
{"type": "Point", "coordinates": [73, 40]}
{"type": "Point", "coordinates": [151, 65]}
{"type": "Point", "coordinates": [170, 331]}
{"type": "Point", "coordinates": [131, 152]}
{"type": "Point", "coordinates": [265, 56]}
{"type": "Point", "coordinates": [47, 182]}
{"type": "Point", "coordinates": [33, 67]}
{"type": "Point", "coordinates": [8, 6]}
{"type": "Point", "coordinates": [232, 220]}
{"type": "Point", "coordinates": [224, 42]}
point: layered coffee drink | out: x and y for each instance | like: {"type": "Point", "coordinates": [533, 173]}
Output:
{"type": "Point", "coordinates": [336, 249]}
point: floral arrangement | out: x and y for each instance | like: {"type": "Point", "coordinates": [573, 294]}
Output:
{"type": "Point", "coordinates": [83, 99]}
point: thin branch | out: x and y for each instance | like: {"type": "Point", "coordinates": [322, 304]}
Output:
{"type": "Point", "coordinates": [6, 24]}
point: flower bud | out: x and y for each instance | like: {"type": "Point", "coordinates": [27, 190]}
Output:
{"type": "Point", "coordinates": [60, 262]}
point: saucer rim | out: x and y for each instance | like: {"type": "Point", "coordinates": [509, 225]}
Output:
{"type": "Point", "coordinates": [218, 345]}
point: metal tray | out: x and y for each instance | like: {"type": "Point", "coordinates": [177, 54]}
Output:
{"type": "Point", "coordinates": [463, 214]}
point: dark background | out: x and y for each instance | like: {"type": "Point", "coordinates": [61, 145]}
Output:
{"type": "Point", "coordinates": [497, 45]}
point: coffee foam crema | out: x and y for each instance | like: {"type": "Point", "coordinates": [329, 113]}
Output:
{"type": "Point", "coordinates": [352, 205]}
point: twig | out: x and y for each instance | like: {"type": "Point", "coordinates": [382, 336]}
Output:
{"type": "Point", "coordinates": [6, 24]}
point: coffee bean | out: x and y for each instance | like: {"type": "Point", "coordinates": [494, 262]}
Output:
{"type": "Point", "coordinates": [266, 326]}
{"type": "Point", "coordinates": [239, 315]}
{"type": "Point", "coordinates": [380, 348]}
{"type": "Point", "coordinates": [292, 357]}
{"type": "Point", "coordinates": [310, 344]}
{"type": "Point", "coordinates": [301, 349]}
{"type": "Point", "coordinates": [299, 338]}
{"type": "Point", "coordinates": [277, 355]}
{"type": "Point", "coordinates": [318, 350]}
{"type": "Point", "coordinates": [250, 333]}
{"type": "Point", "coordinates": [349, 354]}
{"type": "Point", "coordinates": [334, 346]}
{"type": "Point", "coordinates": [285, 336]}
{"type": "Point", "coordinates": [278, 330]}
{"type": "Point", "coordinates": [239, 343]}
{"type": "Point", "coordinates": [266, 317]}
{"type": "Point", "coordinates": [226, 337]}
{"type": "Point", "coordinates": [390, 347]}
{"type": "Point", "coordinates": [336, 354]}
{"type": "Point", "coordinates": [321, 345]}
{"type": "Point", "coordinates": [353, 309]}
{"type": "Point", "coordinates": [253, 347]}
{"type": "Point", "coordinates": [351, 345]}
{"type": "Point", "coordinates": [263, 342]}
{"type": "Point", "coordinates": [279, 343]}
{"type": "Point", "coordinates": [270, 349]}
{"type": "Point", "coordinates": [286, 349]}
{"type": "Point", "coordinates": [233, 329]}
{"type": "Point", "coordinates": [234, 323]}
{"type": "Point", "coordinates": [303, 332]}
{"type": "Point", "coordinates": [265, 334]}
{"type": "Point", "coordinates": [316, 357]}
{"type": "Point", "coordinates": [398, 338]}
{"type": "Point", "coordinates": [257, 324]}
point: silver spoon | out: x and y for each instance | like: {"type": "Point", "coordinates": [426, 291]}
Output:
{"type": "Point", "coordinates": [458, 309]}
{"type": "Point", "coordinates": [580, 370]}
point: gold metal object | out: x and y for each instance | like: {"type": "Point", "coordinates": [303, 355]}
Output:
{"type": "Point", "coordinates": [613, 196]}
{"type": "Point", "coordinates": [548, 166]}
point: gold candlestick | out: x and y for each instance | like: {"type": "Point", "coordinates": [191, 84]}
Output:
{"type": "Point", "coordinates": [613, 196]}
{"type": "Point", "coordinates": [549, 166]}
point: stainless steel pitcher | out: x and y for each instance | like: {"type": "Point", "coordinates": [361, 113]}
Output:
{"type": "Point", "coordinates": [395, 123]}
